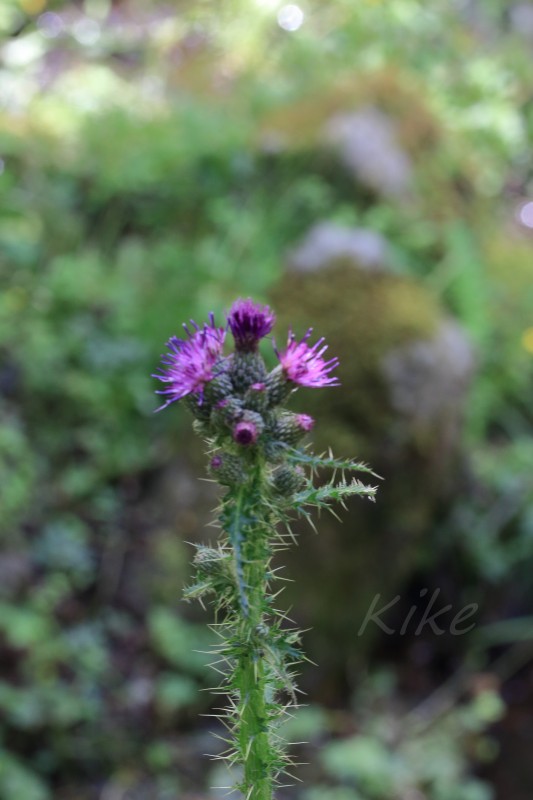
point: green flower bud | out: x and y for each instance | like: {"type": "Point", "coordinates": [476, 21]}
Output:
{"type": "Point", "coordinates": [288, 480]}
{"type": "Point", "coordinates": [227, 469]}
{"type": "Point", "coordinates": [278, 387]}
{"type": "Point", "coordinates": [219, 387]}
{"type": "Point", "coordinates": [226, 412]}
{"type": "Point", "coordinates": [209, 560]}
{"type": "Point", "coordinates": [289, 428]}
{"type": "Point", "coordinates": [256, 398]}
{"type": "Point", "coordinates": [257, 419]}
{"type": "Point", "coordinates": [200, 409]}
{"type": "Point", "coordinates": [274, 451]}
{"type": "Point", "coordinates": [247, 369]}
{"type": "Point", "coordinates": [214, 392]}
{"type": "Point", "coordinates": [248, 428]}
{"type": "Point", "coordinates": [214, 573]}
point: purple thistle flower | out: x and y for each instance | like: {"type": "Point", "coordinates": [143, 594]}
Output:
{"type": "Point", "coordinates": [189, 365]}
{"type": "Point", "coordinates": [249, 322]}
{"type": "Point", "coordinates": [304, 365]}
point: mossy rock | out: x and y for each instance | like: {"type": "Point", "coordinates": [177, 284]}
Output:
{"type": "Point", "coordinates": [300, 123]}
{"type": "Point", "coordinates": [362, 317]}
{"type": "Point", "coordinates": [385, 329]}
{"type": "Point", "coordinates": [444, 172]}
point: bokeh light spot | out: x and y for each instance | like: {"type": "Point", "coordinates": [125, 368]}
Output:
{"type": "Point", "coordinates": [525, 215]}
{"type": "Point", "coordinates": [50, 24]}
{"type": "Point", "coordinates": [290, 17]}
{"type": "Point", "coordinates": [86, 31]}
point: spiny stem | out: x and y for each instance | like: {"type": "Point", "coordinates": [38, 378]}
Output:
{"type": "Point", "coordinates": [251, 678]}
{"type": "Point", "coordinates": [235, 536]}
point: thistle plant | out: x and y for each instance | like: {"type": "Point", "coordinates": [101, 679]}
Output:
{"type": "Point", "coordinates": [268, 479]}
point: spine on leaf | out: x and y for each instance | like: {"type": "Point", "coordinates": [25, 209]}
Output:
{"type": "Point", "coordinates": [268, 479]}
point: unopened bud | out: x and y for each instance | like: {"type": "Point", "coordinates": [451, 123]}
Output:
{"type": "Point", "coordinates": [227, 469]}
{"type": "Point", "coordinates": [200, 409]}
{"type": "Point", "coordinates": [219, 387]}
{"type": "Point", "coordinates": [289, 428]}
{"type": "Point", "coordinates": [247, 369]}
{"type": "Point", "coordinates": [249, 428]}
{"type": "Point", "coordinates": [245, 433]}
{"type": "Point", "coordinates": [256, 398]}
{"type": "Point", "coordinates": [214, 572]}
{"type": "Point", "coordinates": [226, 412]}
{"type": "Point", "coordinates": [274, 451]}
{"type": "Point", "coordinates": [288, 480]}
{"type": "Point", "coordinates": [209, 560]}
{"type": "Point", "coordinates": [278, 387]}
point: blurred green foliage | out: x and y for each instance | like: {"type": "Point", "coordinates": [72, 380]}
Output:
{"type": "Point", "coordinates": [433, 760]}
{"type": "Point", "coordinates": [425, 752]}
{"type": "Point", "coordinates": [150, 172]}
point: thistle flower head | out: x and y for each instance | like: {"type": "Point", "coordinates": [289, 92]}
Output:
{"type": "Point", "coordinates": [304, 365]}
{"type": "Point", "coordinates": [249, 322]}
{"type": "Point", "coordinates": [190, 363]}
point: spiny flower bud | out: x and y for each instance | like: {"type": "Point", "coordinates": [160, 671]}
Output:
{"type": "Point", "coordinates": [249, 428]}
{"type": "Point", "coordinates": [274, 451]}
{"type": "Point", "coordinates": [213, 394]}
{"type": "Point", "coordinates": [288, 480]}
{"type": "Point", "coordinates": [209, 560]}
{"type": "Point", "coordinates": [226, 412]}
{"type": "Point", "coordinates": [200, 410]}
{"type": "Point", "coordinates": [289, 428]}
{"type": "Point", "coordinates": [245, 433]}
{"type": "Point", "coordinates": [227, 469]}
{"type": "Point", "coordinates": [278, 387]}
{"type": "Point", "coordinates": [246, 369]}
{"type": "Point", "coordinates": [214, 573]}
{"type": "Point", "coordinates": [256, 398]}
{"type": "Point", "coordinates": [220, 386]}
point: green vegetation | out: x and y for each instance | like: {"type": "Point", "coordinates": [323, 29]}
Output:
{"type": "Point", "coordinates": [154, 165]}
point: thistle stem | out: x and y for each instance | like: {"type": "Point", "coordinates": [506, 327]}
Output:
{"type": "Point", "coordinates": [251, 671]}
